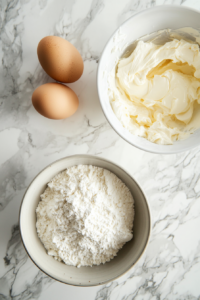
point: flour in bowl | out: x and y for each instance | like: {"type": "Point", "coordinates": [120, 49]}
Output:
{"type": "Point", "coordinates": [85, 216]}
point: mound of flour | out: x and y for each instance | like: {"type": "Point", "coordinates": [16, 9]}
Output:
{"type": "Point", "coordinates": [85, 216]}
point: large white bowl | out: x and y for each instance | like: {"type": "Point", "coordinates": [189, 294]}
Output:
{"type": "Point", "coordinates": [141, 24]}
{"type": "Point", "coordinates": [84, 276]}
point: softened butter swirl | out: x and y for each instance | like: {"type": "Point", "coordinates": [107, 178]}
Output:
{"type": "Point", "coordinates": [155, 92]}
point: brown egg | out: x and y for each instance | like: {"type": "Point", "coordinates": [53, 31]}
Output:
{"type": "Point", "coordinates": [60, 59]}
{"type": "Point", "coordinates": [55, 101]}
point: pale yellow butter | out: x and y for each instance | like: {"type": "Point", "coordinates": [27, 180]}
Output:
{"type": "Point", "coordinates": [155, 92]}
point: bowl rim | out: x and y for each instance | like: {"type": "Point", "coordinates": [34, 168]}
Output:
{"type": "Point", "coordinates": [180, 7]}
{"type": "Point", "coordinates": [144, 196]}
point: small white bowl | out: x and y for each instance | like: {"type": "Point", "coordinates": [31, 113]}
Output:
{"type": "Point", "coordinates": [84, 276]}
{"type": "Point", "coordinates": [141, 24]}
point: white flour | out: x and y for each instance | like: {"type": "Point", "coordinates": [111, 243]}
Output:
{"type": "Point", "coordinates": [85, 216]}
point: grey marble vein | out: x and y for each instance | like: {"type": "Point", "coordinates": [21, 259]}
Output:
{"type": "Point", "coordinates": [17, 265]}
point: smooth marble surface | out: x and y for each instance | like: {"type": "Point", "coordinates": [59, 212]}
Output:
{"type": "Point", "coordinates": [170, 267]}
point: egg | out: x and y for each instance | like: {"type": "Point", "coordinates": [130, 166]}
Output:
{"type": "Point", "coordinates": [55, 101]}
{"type": "Point", "coordinates": [60, 59]}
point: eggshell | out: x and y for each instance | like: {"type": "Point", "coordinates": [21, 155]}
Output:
{"type": "Point", "coordinates": [60, 59]}
{"type": "Point", "coordinates": [55, 101]}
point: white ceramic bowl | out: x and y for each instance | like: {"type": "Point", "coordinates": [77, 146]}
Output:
{"type": "Point", "coordinates": [84, 276]}
{"type": "Point", "coordinates": [141, 24]}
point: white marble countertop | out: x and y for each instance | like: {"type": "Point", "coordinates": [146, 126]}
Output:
{"type": "Point", "coordinates": [170, 268]}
